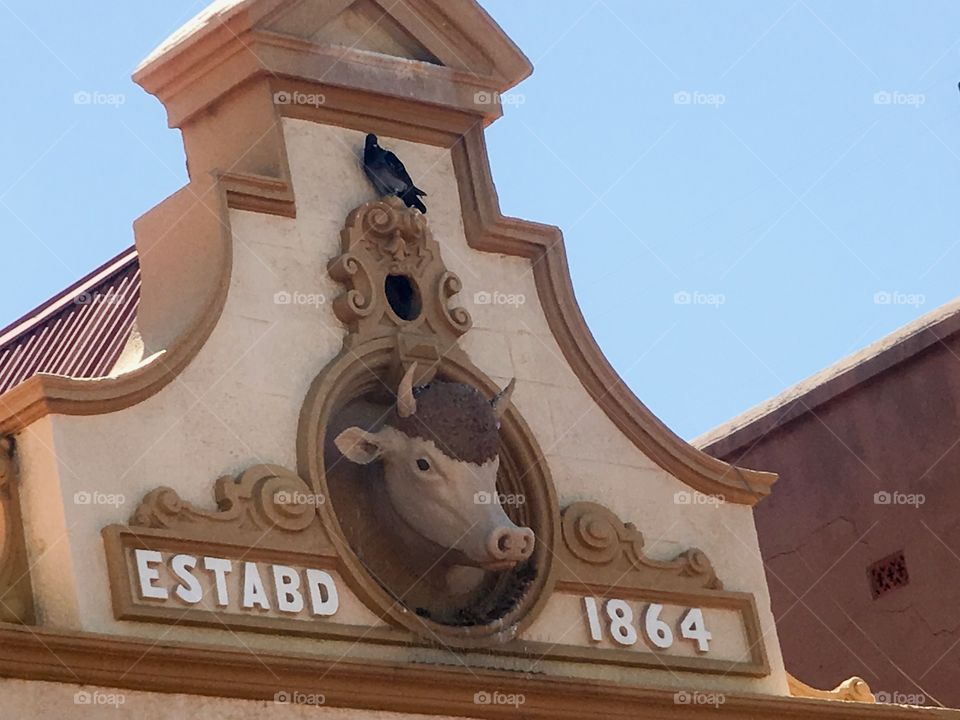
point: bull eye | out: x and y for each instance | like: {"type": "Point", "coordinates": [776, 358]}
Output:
{"type": "Point", "coordinates": [423, 464]}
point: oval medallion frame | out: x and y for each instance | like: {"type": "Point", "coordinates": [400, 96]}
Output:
{"type": "Point", "coordinates": [359, 371]}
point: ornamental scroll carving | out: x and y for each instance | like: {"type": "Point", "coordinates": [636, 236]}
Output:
{"type": "Point", "coordinates": [16, 597]}
{"type": "Point", "coordinates": [266, 505]}
{"type": "Point", "coordinates": [600, 550]}
{"type": "Point", "coordinates": [854, 689]}
{"type": "Point", "coordinates": [396, 282]}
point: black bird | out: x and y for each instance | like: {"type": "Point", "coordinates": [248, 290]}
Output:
{"type": "Point", "coordinates": [389, 176]}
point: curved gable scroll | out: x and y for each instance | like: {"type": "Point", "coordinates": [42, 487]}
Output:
{"type": "Point", "coordinates": [489, 230]}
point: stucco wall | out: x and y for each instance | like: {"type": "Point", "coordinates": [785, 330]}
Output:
{"type": "Point", "coordinates": [237, 404]}
{"type": "Point", "coordinates": [824, 526]}
{"type": "Point", "coordinates": [21, 699]}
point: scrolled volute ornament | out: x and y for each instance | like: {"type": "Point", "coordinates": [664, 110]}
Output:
{"type": "Point", "coordinates": [394, 278]}
{"type": "Point", "coordinates": [594, 534]}
{"type": "Point", "coordinates": [263, 498]}
{"type": "Point", "coordinates": [458, 318]}
{"type": "Point", "coordinates": [603, 550]}
{"type": "Point", "coordinates": [358, 301]}
{"type": "Point", "coordinates": [389, 217]}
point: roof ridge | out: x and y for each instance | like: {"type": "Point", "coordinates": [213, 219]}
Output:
{"type": "Point", "coordinates": [849, 371]}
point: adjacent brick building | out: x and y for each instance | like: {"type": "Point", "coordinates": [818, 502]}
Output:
{"type": "Point", "coordinates": [861, 540]}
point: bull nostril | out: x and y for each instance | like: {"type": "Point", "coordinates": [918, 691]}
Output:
{"type": "Point", "coordinates": [528, 542]}
{"type": "Point", "coordinates": [499, 544]}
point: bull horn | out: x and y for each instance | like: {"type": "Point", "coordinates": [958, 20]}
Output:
{"type": "Point", "coordinates": [502, 400]}
{"type": "Point", "coordinates": [406, 402]}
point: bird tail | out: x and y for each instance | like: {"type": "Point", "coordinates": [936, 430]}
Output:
{"type": "Point", "coordinates": [412, 199]}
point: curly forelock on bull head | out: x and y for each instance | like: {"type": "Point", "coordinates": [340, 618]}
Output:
{"type": "Point", "coordinates": [456, 417]}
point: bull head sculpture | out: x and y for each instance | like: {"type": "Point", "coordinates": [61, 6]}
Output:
{"type": "Point", "coordinates": [440, 450]}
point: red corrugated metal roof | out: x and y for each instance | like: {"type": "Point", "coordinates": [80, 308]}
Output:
{"type": "Point", "coordinates": [79, 332]}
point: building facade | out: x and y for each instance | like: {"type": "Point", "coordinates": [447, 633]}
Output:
{"type": "Point", "coordinates": [325, 472]}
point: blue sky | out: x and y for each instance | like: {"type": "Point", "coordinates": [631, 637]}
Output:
{"type": "Point", "coordinates": [749, 190]}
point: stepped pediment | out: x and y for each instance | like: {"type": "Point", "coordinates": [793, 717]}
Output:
{"type": "Point", "coordinates": [342, 43]}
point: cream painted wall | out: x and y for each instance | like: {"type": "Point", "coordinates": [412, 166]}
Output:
{"type": "Point", "coordinates": [237, 404]}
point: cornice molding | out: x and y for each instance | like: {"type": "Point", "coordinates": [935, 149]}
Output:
{"type": "Point", "coordinates": [225, 50]}
{"type": "Point", "coordinates": [146, 665]}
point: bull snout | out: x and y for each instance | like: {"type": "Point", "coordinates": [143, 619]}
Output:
{"type": "Point", "coordinates": [508, 546]}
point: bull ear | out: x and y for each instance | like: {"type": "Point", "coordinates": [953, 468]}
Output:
{"type": "Point", "coordinates": [502, 400]}
{"type": "Point", "coordinates": [406, 402]}
{"type": "Point", "coordinates": [358, 445]}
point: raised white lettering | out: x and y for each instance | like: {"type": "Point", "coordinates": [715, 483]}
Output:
{"type": "Point", "coordinates": [286, 580]}
{"type": "Point", "coordinates": [189, 590]}
{"type": "Point", "coordinates": [149, 575]}
{"type": "Point", "coordinates": [253, 591]}
{"type": "Point", "coordinates": [219, 567]}
{"type": "Point", "coordinates": [324, 598]}
{"type": "Point", "coordinates": [210, 583]}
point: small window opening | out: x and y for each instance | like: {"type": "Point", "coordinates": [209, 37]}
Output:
{"type": "Point", "coordinates": [403, 297]}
